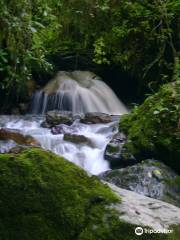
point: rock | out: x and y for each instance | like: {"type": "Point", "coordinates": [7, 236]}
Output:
{"type": "Point", "coordinates": [60, 129]}
{"type": "Point", "coordinates": [20, 148]}
{"type": "Point", "coordinates": [53, 197]}
{"type": "Point", "coordinates": [150, 178]}
{"type": "Point", "coordinates": [54, 118]}
{"type": "Point", "coordinates": [144, 211]}
{"type": "Point", "coordinates": [78, 139]}
{"type": "Point", "coordinates": [78, 116]}
{"type": "Point", "coordinates": [9, 134]}
{"type": "Point", "coordinates": [117, 154]}
{"type": "Point", "coordinates": [95, 117]}
{"type": "Point", "coordinates": [44, 124]}
{"type": "Point", "coordinates": [63, 128]}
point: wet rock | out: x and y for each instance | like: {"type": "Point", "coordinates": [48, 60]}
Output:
{"type": "Point", "coordinates": [54, 118]}
{"type": "Point", "coordinates": [45, 125]}
{"type": "Point", "coordinates": [19, 148]}
{"type": "Point", "coordinates": [16, 136]}
{"type": "Point", "coordinates": [60, 129]}
{"type": "Point", "coordinates": [117, 154]}
{"type": "Point", "coordinates": [144, 211]}
{"type": "Point", "coordinates": [63, 128]}
{"type": "Point", "coordinates": [78, 139]}
{"type": "Point", "coordinates": [150, 178]}
{"type": "Point", "coordinates": [78, 116]}
{"type": "Point", "coordinates": [95, 117]}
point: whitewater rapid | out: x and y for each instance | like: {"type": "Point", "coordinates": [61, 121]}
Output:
{"type": "Point", "coordinates": [88, 157]}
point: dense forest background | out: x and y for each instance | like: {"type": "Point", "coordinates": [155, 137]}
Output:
{"type": "Point", "coordinates": [134, 45]}
{"type": "Point", "coordinates": [140, 38]}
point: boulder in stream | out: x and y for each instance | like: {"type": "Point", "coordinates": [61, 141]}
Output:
{"type": "Point", "coordinates": [56, 117]}
{"type": "Point", "coordinates": [78, 139]}
{"type": "Point", "coordinates": [16, 136]}
{"type": "Point", "coordinates": [63, 128]}
{"type": "Point", "coordinates": [96, 117]}
{"type": "Point", "coordinates": [117, 154]}
{"type": "Point", "coordinates": [150, 178]}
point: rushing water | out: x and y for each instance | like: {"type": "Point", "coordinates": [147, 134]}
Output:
{"type": "Point", "coordinates": [88, 157]}
{"type": "Point", "coordinates": [79, 92]}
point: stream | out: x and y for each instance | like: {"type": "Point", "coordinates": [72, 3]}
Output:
{"type": "Point", "coordinates": [91, 158]}
{"type": "Point", "coordinates": [78, 92]}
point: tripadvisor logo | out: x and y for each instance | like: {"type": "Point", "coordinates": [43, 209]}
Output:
{"type": "Point", "coordinates": [139, 231]}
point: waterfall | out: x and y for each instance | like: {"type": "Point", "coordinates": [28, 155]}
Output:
{"type": "Point", "coordinates": [79, 92]}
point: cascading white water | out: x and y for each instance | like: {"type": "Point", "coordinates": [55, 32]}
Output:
{"type": "Point", "coordinates": [88, 157]}
{"type": "Point", "coordinates": [79, 92]}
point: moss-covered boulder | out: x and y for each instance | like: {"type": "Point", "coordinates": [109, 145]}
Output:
{"type": "Point", "coordinates": [116, 154]}
{"type": "Point", "coordinates": [44, 197]}
{"type": "Point", "coordinates": [153, 128]}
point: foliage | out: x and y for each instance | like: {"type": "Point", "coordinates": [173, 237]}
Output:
{"type": "Point", "coordinates": [99, 52]}
{"type": "Point", "coordinates": [139, 36]}
{"type": "Point", "coordinates": [153, 128]}
{"type": "Point", "coordinates": [23, 42]}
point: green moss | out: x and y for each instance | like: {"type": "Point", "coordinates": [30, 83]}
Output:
{"type": "Point", "coordinates": [176, 232]}
{"type": "Point", "coordinates": [153, 127]}
{"type": "Point", "coordinates": [44, 197]}
{"type": "Point", "coordinates": [174, 182]}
